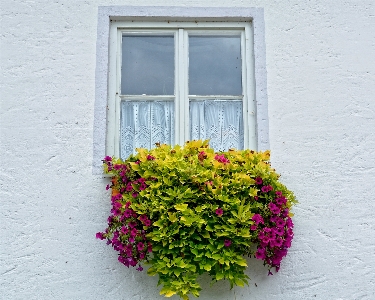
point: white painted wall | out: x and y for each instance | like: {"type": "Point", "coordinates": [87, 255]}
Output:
{"type": "Point", "coordinates": [321, 87]}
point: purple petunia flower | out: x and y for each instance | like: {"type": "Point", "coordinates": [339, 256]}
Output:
{"type": "Point", "coordinates": [227, 243]}
{"type": "Point", "coordinates": [140, 246]}
{"type": "Point", "coordinates": [99, 235]}
{"type": "Point", "coordinates": [258, 180]}
{"type": "Point", "coordinates": [257, 218]}
{"type": "Point", "coordinates": [219, 212]}
{"type": "Point", "coordinates": [273, 208]}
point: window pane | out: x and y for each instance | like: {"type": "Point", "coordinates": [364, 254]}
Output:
{"type": "Point", "coordinates": [219, 121]}
{"type": "Point", "coordinates": [144, 123]}
{"type": "Point", "coordinates": [215, 65]}
{"type": "Point", "coordinates": [147, 65]}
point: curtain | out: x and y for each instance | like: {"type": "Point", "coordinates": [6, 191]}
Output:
{"type": "Point", "coordinates": [144, 123]}
{"type": "Point", "coordinates": [219, 121]}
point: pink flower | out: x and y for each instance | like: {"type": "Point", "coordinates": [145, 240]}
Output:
{"type": "Point", "coordinates": [221, 158]}
{"type": "Point", "coordinates": [279, 193]}
{"type": "Point", "coordinates": [253, 227]}
{"type": "Point", "coordinates": [140, 246]}
{"type": "Point", "coordinates": [257, 218]}
{"type": "Point", "coordinates": [134, 195]}
{"type": "Point", "coordinates": [258, 181]}
{"type": "Point", "coordinates": [99, 235]}
{"type": "Point", "coordinates": [147, 223]}
{"type": "Point", "coordinates": [227, 243]}
{"type": "Point", "coordinates": [129, 187]}
{"type": "Point", "coordinates": [202, 155]}
{"type": "Point", "coordinates": [280, 223]}
{"type": "Point", "coordinates": [267, 188]}
{"type": "Point", "coordinates": [289, 223]}
{"type": "Point", "coordinates": [261, 253]}
{"type": "Point", "coordinates": [128, 213]}
{"type": "Point", "coordinates": [219, 212]}
{"type": "Point", "coordinates": [281, 200]}
{"type": "Point", "coordinates": [150, 157]}
{"type": "Point", "coordinates": [108, 158]}
{"type": "Point", "coordinates": [273, 208]}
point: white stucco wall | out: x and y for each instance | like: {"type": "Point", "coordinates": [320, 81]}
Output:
{"type": "Point", "coordinates": [320, 59]}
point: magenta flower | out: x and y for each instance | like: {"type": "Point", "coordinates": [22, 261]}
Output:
{"type": "Point", "coordinates": [219, 212]}
{"type": "Point", "coordinates": [279, 193]}
{"type": "Point", "coordinates": [134, 195]}
{"type": "Point", "coordinates": [221, 158]}
{"type": "Point", "coordinates": [150, 157]}
{"type": "Point", "coordinates": [227, 243]}
{"type": "Point", "coordinates": [267, 188]}
{"type": "Point", "coordinates": [139, 268]}
{"type": "Point", "coordinates": [99, 235]}
{"type": "Point", "coordinates": [147, 223]}
{"type": "Point", "coordinates": [253, 227]}
{"type": "Point", "coordinates": [129, 187]}
{"type": "Point", "coordinates": [108, 158]}
{"type": "Point", "coordinates": [258, 180]}
{"type": "Point", "coordinates": [281, 200]}
{"type": "Point", "coordinates": [273, 208]}
{"type": "Point", "coordinates": [280, 223]}
{"type": "Point", "coordinates": [128, 213]}
{"type": "Point", "coordinates": [261, 253]}
{"type": "Point", "coordinates": [140, 246]}
{"type": "Point", "coordinates": [257, 218]}
{"type": "Point", "coordinates": [289, 223]}
{"type": "Point", "coordinates": [202, 155]}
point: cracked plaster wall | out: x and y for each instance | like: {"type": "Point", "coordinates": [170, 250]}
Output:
{"type": "Point", "coordinates": [321, 85]}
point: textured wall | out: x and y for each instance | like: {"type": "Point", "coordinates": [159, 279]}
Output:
{"type": "Point", "coordinates": [321, 87]}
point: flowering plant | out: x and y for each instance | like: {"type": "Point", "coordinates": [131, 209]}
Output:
{"type": "Point", "coordinates": [188, 210]}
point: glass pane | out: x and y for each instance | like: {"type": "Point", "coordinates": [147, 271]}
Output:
{"type": "Point", "coordinates": [215, 65]}
{"type": "Point", "coordinates": [219, 121]}
{"type": "Point", "coordinates": [147, 65]}
{"type": "Point", "coordinates": [144, 123]}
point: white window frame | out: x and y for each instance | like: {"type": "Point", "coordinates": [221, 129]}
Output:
{"type": "Point", "coordinates": [113, 21]}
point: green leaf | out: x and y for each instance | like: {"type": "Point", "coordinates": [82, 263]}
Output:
{"type": "Point", "coordinates": [219, 276]}
{"type": "Point", "coordinates": [181, 207]}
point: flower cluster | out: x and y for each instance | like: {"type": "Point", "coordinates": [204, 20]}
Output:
{"type": "Point", "coordinates": [189, 210]}
{"type": "Point", "coordinates": [275, 237]}
{"type": "Point", "coordinates": [126, 230]}
{"type": "Point", "coordinates": [221, 158]}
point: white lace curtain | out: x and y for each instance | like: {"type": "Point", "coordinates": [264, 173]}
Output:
{"type": "Point", "coordinates": [219, 121]}
{"type": "Point", "coordinates": [145, 123]}
{"type": "Point", "coordinates": [148, 122]}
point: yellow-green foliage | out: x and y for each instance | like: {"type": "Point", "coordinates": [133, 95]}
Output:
{"type": "Point", "coordinates": [201, 205]}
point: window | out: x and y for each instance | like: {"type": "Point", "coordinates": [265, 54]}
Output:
{"type": "Point", "coordinates": [175, 76]}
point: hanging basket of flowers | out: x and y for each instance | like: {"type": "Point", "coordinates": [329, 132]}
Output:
{"type": "Point", "coordinates": [188, 210]}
